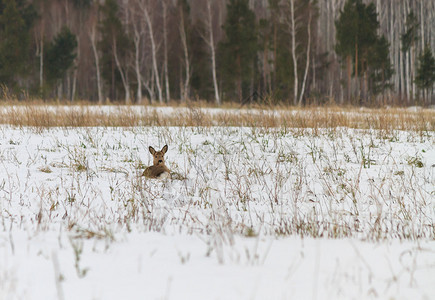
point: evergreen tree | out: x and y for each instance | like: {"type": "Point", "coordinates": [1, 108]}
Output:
{"type": "Point", "coordinates": [26, 10]}
{"type": "Point", "coordinates": [346, 29]}
{"type": "Point", "coordinates": [410, 36]}
{"type": "Point", "coordinates": [265, 34]}
{"type": "Point", "coordinates": [285, 67]}
{"type": "Point", "coordinates": [185, 30]}
{"type": "Point", "coordinates": [201, 82]}
{"type": "Point", "coordinates": [409, 40]}
{"type": "Point", "coordinates": [364, 51]}
{"type": "Point", "coordinates": [281, 63]}
{"type": "Point", "coordinates": [425, 77]}
{"type": "Point", "coordinates": [82, 4]}
{"type": "Point", "coordinates": [238, 51]}
{"type": "Point", "coordinates": [14, 43]}
{"type": "Point", "coordinates": [381, 69]}
{"type": "Point", "coordinates": [113, 37]}
{"type": "Point", "coordinates": [60, 55]}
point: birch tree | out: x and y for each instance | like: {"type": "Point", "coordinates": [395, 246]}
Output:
{"type": "Point", "coordinates": [146, 14]}
{"type": "Point", "coordinates": [92, 37]}
{"type": "Point", "coordinates": [114, 46]}
{"type": "Point", "coordinates": [299, 29]}
{"type": "Point", "coordinates": [137, 41]}
{"type": "Point", "coordinates": [165, 49]}
{"type": "Point", "coordinates": [210, 41]}
{"type": "Point", "coordinates": [308, 53]}
{"type": "Point", "coordinates": [123, 71]}
{"type": "Point", "coordinates": [409, 39]}
{"type": "Point", "coordinates": [292, 24]}
{"type": "Point", "coordinates": [183, 8]}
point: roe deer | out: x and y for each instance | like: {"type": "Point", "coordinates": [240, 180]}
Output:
{"type": "Point", "coordinates": [158, 170]}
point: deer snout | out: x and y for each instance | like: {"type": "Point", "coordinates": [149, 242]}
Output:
{"type": "Point", "coordinates": [160, 161]}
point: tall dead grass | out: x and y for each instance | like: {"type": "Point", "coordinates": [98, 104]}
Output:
{"type": "Point", "coordinates": [45, 116]}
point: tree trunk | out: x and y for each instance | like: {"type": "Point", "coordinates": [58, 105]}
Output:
{"type": "Point", "coordinates": [74, 84]}
{"type": "Point", "coordinates": [137, 65]}
{"type": "Point", "coordinates": [239, 78]}
{"type": "Point", "coordinates": [422, 21]}
{"type": "Point", "coordinates": [349, 76]}
{"type": "Point", "coordinates": [124, 74]}
{"type": "Point", "coordinates": [357, 88]}
{"type": "Point", "coordinates": [275, 49]}
{"type": "Point", "coordinates": [213, 53]}
{"type": "Point", "coordinates": [41, 63]}
{"type": "Point", "coordinates": [68, 86]}
{"type": "Point", "coordinates": [307, 63]}
{"type": "Point", "coordinates": [97, 64]}
{"type": "Point", "coordinates": [165, 45]}
{"type": "Point", "coordinates": [295, 62]}
{"type": "Point", "coordinates": [153, 52]}
{"type": "Point", "coordinates": [186, 85]}
{"type": "Point", "coordinates": [149, 87]}
{"type": "Point", "coordinates": [412, 71]}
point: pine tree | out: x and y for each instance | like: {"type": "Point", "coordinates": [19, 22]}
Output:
{"type": "Point", "coordinates": [363, 49]}
{"type": "Point", "coordinates": [81, 4]}
{"type": "Point", "coordinates": [346, 29]}
{"type": "Point", "coordinates": [425, 77]}
{"type": "Point", "coordinates": [410, 36]}
{"type": "Point", "coordinates": [14, 43]}
{"type": "Point", "coordinates": [201, 80]}
{"type": "Point", "coordinates": [60, 55]}
{"type": "Point", "coordinates": [409, 40]}
{"type": "Point", "coordinates": [185, 29]}
{"type": "Point", "coordinates": [113, 37]}
{"type": "Point", "coordinates": [281, 64]}
{"type": "Point", "coordinates": [26, 10]}
{"type": "Point", "coordinates": [239, 49]}
{"type": "Point", "coordinates": [381, 69]}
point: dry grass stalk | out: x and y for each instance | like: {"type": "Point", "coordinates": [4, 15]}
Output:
{"type": "Point", "coordinates": [44, 116]}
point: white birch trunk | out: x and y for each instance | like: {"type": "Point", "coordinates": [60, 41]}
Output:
{"type": "Point", "coordinates": [295, 62]}
{"type": "Point", "coordinates": [412, 57]}
{"type": "Point", "coordinates": [124, 75]}
{"type": "Point", "coordinates": [422, 21]}
{"type": "Point", "coordinates": [213, 53]}
{"type": "Point", "coordinates": [41, 62]}
{"type": "Point", "coordinates": [137, 65]}
{"type": "Point", "coordinates": [186, 84]}
{"type": "Point", "coordinates": [149, 86]}
{"type": "Point", "coordinates": [307, 64]}
{"type": "Point", "coordinates": [401, 55]}
{"type": "Point", "coordinates": [74, 84]}
{"type": "Point", "coordinates": [328, 24]}
{"type": "Point", "coordinates": [153, 52]}
{"type": "Point", "coordinates": [165, 45]}
{"type": "Point", "coordinates": [92, 34]}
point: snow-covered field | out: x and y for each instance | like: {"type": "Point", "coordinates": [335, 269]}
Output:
{"type": "Point", "coordinates": [250, 213]}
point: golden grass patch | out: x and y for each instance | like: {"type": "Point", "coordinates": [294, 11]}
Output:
{"type": "Point", "coordinates": [45, 116]}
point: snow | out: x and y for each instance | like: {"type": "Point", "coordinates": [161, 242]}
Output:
{"type": "Point", "coordinates": [253, 213]}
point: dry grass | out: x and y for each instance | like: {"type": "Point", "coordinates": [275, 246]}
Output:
{"type": "Point", "coordinates": [41, 115]}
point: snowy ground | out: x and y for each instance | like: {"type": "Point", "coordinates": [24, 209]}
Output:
{"type": "Point", "coordinates": [250, 213]}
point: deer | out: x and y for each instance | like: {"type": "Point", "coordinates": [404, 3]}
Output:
{"type": "Point", "coordinates": [158, 170]}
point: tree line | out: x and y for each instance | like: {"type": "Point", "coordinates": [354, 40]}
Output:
{"type": "Point", "coordinates": [290, 51]}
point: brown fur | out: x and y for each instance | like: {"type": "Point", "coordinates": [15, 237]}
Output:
{"type": "Point", "coordinates": [158, 170]}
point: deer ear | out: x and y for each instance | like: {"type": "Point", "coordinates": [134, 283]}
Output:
{"type": "Point", "coordinates": [165, 149]}
{"type": "Point", "coordinates": [152, 150]}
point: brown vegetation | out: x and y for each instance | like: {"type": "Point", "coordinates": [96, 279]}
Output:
{"type": "Point", "coordinates": [43, 116]}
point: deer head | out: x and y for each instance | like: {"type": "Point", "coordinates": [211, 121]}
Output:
{"type": "Point", "coordinates": [158, 156]}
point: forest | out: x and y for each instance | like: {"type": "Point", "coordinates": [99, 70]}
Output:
{"type": "Point", "coordinates": [295, 52]}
